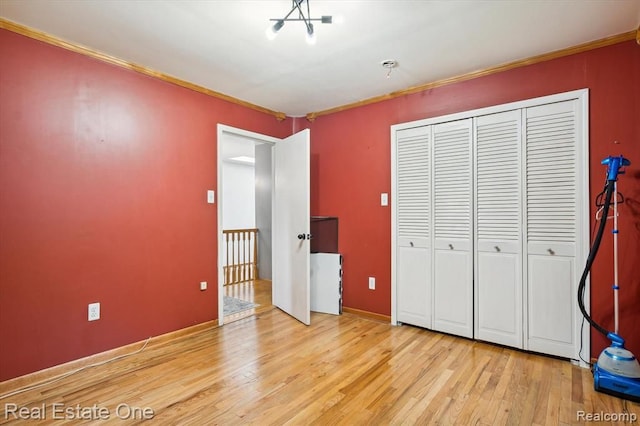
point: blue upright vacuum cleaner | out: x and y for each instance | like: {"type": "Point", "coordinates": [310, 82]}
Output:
{"type": "Point", "coordinates": [617, 371]}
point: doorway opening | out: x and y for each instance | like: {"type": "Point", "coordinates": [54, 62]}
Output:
{"type": "Point", "coordinates": [244, 223]}
{"type": "Point", "coordinates": [288, 194]}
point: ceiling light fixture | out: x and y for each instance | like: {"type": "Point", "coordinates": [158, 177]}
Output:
{"type": "Point", "coordinates": [272, 30]}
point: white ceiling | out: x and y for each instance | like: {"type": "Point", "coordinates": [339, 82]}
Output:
{"type": "Point", "coordinates": [221, 44]}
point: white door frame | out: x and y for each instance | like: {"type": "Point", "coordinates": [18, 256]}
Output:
{"type": "Point", "coordinates": [257, 137]}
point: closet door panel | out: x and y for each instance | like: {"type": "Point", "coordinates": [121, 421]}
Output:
{"type": "Point", "coordinates": [551, 211]}
{"type": "Point", "coordinates": [414, 293]}
{"type": "Point", "coordinates": [412, 191]}
{"type": "Point", "coordinates": [498, 222]}
{"type": "Point", "coordinates": [500, 298]}
{"type": "Point", "coordinates": [551, 173]}
{"type": "Point", "coordinates": [452, 227]}
{"type": "Point", "coordinates": [551, 297]}
{"type": "Point", "coordinates": [453, 292]}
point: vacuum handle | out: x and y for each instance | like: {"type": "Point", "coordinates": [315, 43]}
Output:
{"type": "Point", "coordinates": [614, 164]}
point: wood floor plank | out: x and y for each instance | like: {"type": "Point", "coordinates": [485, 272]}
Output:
{"type": "Point", "coordinates": [268, 369]}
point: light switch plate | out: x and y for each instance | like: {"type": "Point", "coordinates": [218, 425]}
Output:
{"type": "Point", "coordinates": [94, 311]}
{"type": "Point", "coordinates": [211, 196]}
{"type": "Point", "coordinates": [384, 199]}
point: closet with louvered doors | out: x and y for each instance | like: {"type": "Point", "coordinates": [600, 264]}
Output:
{"type": "Point", "coordinates": [498, 226]}
{"type": "Point", "coordinates": [411, 214]}
{"type": "Point", "coordinates": [490, 223]}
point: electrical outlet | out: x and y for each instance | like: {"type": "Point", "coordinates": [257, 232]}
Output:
{"type": "Point", "coordinates": [203, 285]}
{"type": "Point", "coordinates": [94, 311]}
{"type": "Point", "coordinates": [372, 283]}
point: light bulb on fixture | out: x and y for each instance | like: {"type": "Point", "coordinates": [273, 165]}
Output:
{"type": "Point", "coordinates": [272, 30]}
{"type": "Point", "coordinates": [311, 35]}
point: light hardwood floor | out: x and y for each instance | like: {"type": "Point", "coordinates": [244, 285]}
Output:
{"type": "Point", "coordinates": [268, 368]}
{"type": "Point", "coordinates": [258, 292]}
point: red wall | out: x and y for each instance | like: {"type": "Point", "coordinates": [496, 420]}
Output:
{"type": "Point", "coordinates": [103, 179]}
{"type": "Point", "coordinates": [351, 166]}
{"type": "Point", "coordinates": [103, 176]}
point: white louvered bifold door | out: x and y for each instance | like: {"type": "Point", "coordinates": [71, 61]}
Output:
{"type": "Point", "coordinates": [412, 212]}
{"type": "Point", "coordinates": [452, 227]}
{"type": "Point", "coordinates": [498, 221]}
{"type": "Point", "coordinates": [551, 182]}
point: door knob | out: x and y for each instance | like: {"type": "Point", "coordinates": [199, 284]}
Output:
{"type": "Point", "coordinates": [451, 246]}
{"type": "Point", "coordinates": [304, 236]}
{"type": "Point", "coordinates": [551, 252]}
{"type": "Point", "coordinates": [497, 249]}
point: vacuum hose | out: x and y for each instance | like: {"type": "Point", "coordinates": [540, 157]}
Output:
{"type": "Point", "coordinates": [592, 255]}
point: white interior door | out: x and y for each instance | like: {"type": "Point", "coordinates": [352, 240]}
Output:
{"type": "Point", "coordinates": [452, 226]}
{"type": "Point", "coordinates": [552, 227]}
{"type": "Point", "coordinates": [411, 184]}
{"type": "Point", "coordinates": [291, 213]}
{"type": "Point", "coordinates": [498, 262]}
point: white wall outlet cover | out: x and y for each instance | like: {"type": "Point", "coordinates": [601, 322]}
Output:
{"type": "Point", "coordinates": [384, 199]}
{"type": "Point", "coordinates": [211, 196]}
{"type": "Point", "coordinates": [203, 285]}
{"type": "Point", "coordinates": [372, 283]}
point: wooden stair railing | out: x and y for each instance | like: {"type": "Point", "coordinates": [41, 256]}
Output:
{"type": "Point", "coordinates": [242, 255]}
